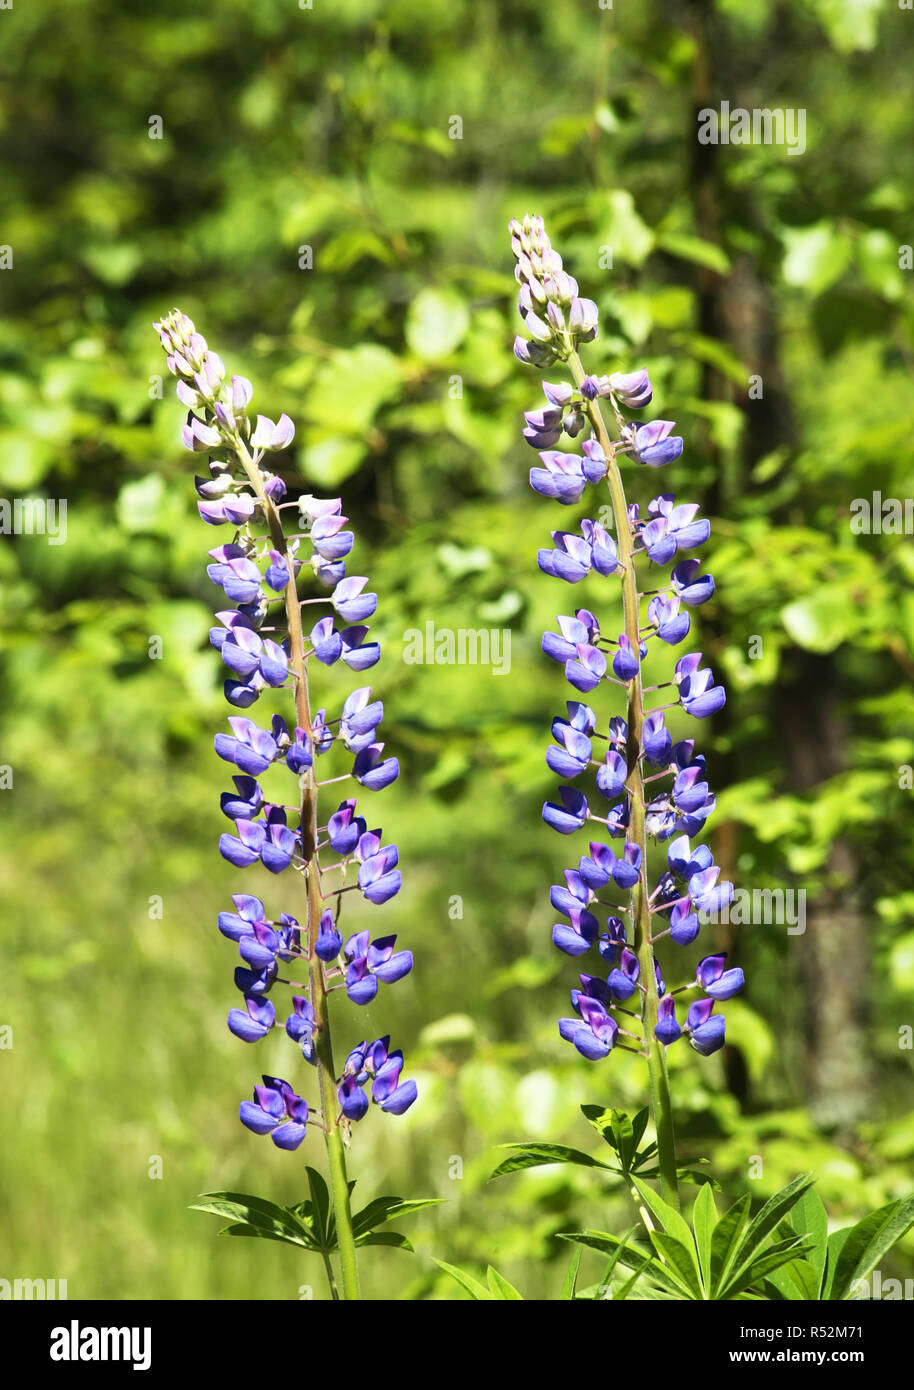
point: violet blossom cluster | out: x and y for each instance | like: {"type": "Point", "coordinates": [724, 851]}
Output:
{"type": "Point", "coordinates": [675, 799]}
{"type": "Point", "coordinates": [265, 646]}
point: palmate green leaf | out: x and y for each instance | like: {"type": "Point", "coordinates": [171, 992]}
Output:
{"type": "Point", "coordinates": [628, 1255]}
{"type": "Point", "coordinates": [680, 1262]}
{"type": "Point", "coordinates": [623, 1135]}
{"type": "Point", "coordinates": [757, 1270]}
{"type": "Point", "coordinates": [758, 1230]}
{"type": "Point", "coordinates": [725, 1240]}
{"type": "Point", "coordinates": [669, 1218]}
{"type": "Point", "coordinates": [277, 1223]}
{"type": "Point", "coordinates": [855, 1251]}
{"type": "Point", "coordinates": [472, 1285]}
{"type": "Point", "coordinates": [535, 1155]}
{"type": "Point", "coordinates": [384, 1209]}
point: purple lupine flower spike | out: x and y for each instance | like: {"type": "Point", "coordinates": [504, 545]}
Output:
{"type": "Point", "coordinates": [261, 642]}
{"type": "Point", "coordinates": [657, 790]}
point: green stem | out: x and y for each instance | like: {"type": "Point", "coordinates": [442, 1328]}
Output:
{"type": "Point", "coordinates": [323, 1047]}
{"type": "Point", "coordinates": [658, 1081]}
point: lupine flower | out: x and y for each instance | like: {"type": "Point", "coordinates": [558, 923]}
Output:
{"type": "Point", "coordinates": [572, 735]}
{"type": "Point", "coordinates": [704, 1028]}
{"type": "Point", "coordinates": [373, 1062]}
{"type": "Point", "coordinates": [367, 963]}
{"type": "Point", "coordinates": [570, 815]}
{"type": "Point", "coordinates": [345, 828]}
{"type": "Point", "coordinates": [679, 799]}
{"type": "Point", "coordinates": [254, 1021]}
{"type": "Point", "coordinates": [300, 1026]}
{"type": "Point", "coordinates": [667, 1030]}
{"type": "Point", "coordinates": [594, 1034]}
{"type": "Point", "coordinates": [652, 444]}
{"type": "Point", "coordinates": [260, 642]}
{"type": "Point", "coordinates": [717, 981]}
{"type": "Point", "coordinates": [276, 1110]}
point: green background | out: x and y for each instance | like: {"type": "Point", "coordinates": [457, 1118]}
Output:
{"type": "Point", "coordinates": [332, 128]}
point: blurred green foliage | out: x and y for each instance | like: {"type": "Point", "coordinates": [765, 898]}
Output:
{"type": "Point", "coordinates": [331, 128]}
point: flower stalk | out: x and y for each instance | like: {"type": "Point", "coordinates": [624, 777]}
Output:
{"type": "Point", "coordinates": [323, 1048]}
{"type": "Point", "coordinates": [558, 321]}
{"type": "Point", "coordinates": [658, 1079]}
{"type": "Point", "coordinates": [257, 571]}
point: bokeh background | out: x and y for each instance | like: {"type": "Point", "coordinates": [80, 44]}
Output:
{"type": "Point", "coordinates": [332, 127]}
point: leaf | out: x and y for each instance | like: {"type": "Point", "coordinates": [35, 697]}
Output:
{"type": "Point", "coordinates": [836, 1243]}
{"type": "Point", "coordinates": [614, 1259]}
{"type": "Point", "coordinates": [384, 1209]}
{"type": "Point", "coordinates": [570, 1282]}
{"type": "Point", "coordinates": [627, 1255]}
{"type": "Point", "coordinates": [797, 1281]}
{"type": "Point", "coordinates": [534, 1155]}
{"type": "Point", "coordinates": [320, 1205]}
{"type": "Point", "coordinates": [809, 1217]}
{"type": "Point", "coordinates": [866, 1244]}
{"type": "Point", "coordinates": [436, 323]}
{"type": "Point", "coordinates": [258, 1212]}
{"type": "Point", "coordinates": [774, 1210]}
{"type": "Point", "coordinates": [674, 1224]}
{"type": "Point", "coordinates": [241, 1228]}
{"type": "Point", "coordinates": [725, 1240]}
{"type": "Point", "coordinates": [473, 1287]}
{"type": "Point", "coordinates": [501, 1288]}
{"type": "Point", "coordinates": [622, 1134]}
{"type": "Point", "coordinates": [752, 1273]}
{"type": "Point", "coordinates": [704, 1220]}
{"type": "Point", "coordinates": [698, 1177]}
{"type": "Point", "coordinates": [680, 1260]}
{"type": "Point", "coordinates": [391, 1238]}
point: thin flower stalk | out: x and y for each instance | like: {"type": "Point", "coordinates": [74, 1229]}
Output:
{"type": "Point", "coordinates": [639, 754]}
